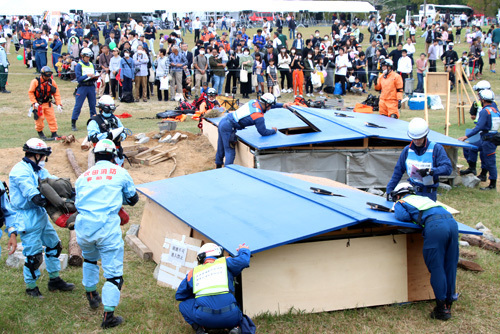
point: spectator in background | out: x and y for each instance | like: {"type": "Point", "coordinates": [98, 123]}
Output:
{"type": "Point", "coordinates": [141, 62]}
{"type": "Point", "coordinates": [291, 27]}
{"type": "Point", "coordinates": [162, 68]}
{"type": "Point", "coordinates": [217, 68]}
{"type": "Point", "coordinates": [421, 69]}
{"type": "Point", "coordinates": [233, 65]}
{"type": "Point", "coordinates": [150, 35]}
{"type": "Point", "coordinates": [392, 29]}
{"type": "Point", "coordinates": [114, 67]}
{"type": "Point", "coordinates": [127, 73]}
{"type": "Point", "coordinates": [284, 61]}
{"type": "Point", "coordinates": [247, 64]}
{"type": "Point", "coordinates": [433, 55]}
{"type": "Point", "coordinates": [94, 30]}
{"type": "Point", "coordinates": [177, 62]}
{"type": "Point", "coordinates": [404, 66]}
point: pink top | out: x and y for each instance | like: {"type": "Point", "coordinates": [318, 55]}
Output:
{"type": "Point", "coordinates": [421, 65]}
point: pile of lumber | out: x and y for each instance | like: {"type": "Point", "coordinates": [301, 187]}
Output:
{"type": "Point", "coordinates": [154, 155]}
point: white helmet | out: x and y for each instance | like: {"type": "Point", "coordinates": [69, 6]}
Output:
{"type": "Point", "coordinates": [105, 146]}
{"type": "Point", "coordinates": [402, 189]}
{"type": "Point", "coordinates": [487, 95]}
{"type": "Point", "coordinates": [451, 44]}
{"type": "Point", "coordinates": [2, 40]}
{"type": "Point", "coordinates": [268, 98]}
{"type": "Point", "coordinates": [418, 128]}
{"type": "Point", "coordinates": [106, 104]}
{"type": "Point", "coordinates": [209, 249]}
{"type": "Point", "coordinates": [483, 84]}
{"type": "Point", "coordinates": [211, 92]}
{"type": "Point", "coordinates": [387, 62]}
{"type": "Point", "coordinates": [87, 52]}
{"type": "Point", "coordinates": [37, 146]}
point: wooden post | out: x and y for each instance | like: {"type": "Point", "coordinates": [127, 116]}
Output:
{"type": "Point", "coordinates": [72, 160]}
{"type": "Point", "coordinates": [426, 110]}
{"type": "Point", "coordinates": [75, 252]}
{"type": "Point", "coordinates": [448, 98]}
{"type": "Point", "coordinates": [459, 101]}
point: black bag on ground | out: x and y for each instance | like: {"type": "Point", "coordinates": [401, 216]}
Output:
{"type": "Point", "coordinates": [371, 101]}
{"type": "Point", "coordinates": [168, 114]}
{"type": "Point", "coordinates": [316, 104]}
{"type": "Point", "coordinates": [127, 97]}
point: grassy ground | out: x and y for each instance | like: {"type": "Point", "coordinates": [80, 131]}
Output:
{"type": "Point", "coordinates": [149, 308]}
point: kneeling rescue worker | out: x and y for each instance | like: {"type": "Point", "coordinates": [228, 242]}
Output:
{"type": "Point", "coordinates": [423, 160]}
{"type": "Point", "coordinates": [207, 291]}
{"type": "Point", "coordinates": [390, 85]}
{"type": "Point", "coordinates": [251, 113]}
{"type": "Point", "coordinates": [440, 243]}
{"type": "Point", "coordinates": [43, 91]}
{"type": "Point", "coordinates": [100, 193]}
{"type": "Point", "coordinates": [33, 222]}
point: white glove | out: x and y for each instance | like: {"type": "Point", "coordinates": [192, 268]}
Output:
{"type": "Point", "coordinates": [60, 108]}
{"type": "Point", "coordinates": [117, 132]}
{"type": "Point", "coordinates": [35, 106]}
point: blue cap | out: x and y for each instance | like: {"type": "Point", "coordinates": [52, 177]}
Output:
{"type": "Point", "coordinates": [239, 32]}
{"type": "Point", "coordinates": [56, 34]}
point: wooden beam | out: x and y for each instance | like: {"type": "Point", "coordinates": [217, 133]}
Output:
{"type": "Point", "coordinates": [139, 247]}
{"type": "Point", "coordinates": [74, 164]}
{"type": "Point", "coordinates": [75, 253]}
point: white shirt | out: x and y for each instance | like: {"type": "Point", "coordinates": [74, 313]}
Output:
{"type": "Point", "coordinates": [276, 42]}
{"type": "Point", "coordinates": [196, 24]}
{"type": "Point", "coordinates": [410, 48]}
{"type": "Point", "coordinates": [133, 23]}
{"type": "Point", "coordinates": [341, 61]}
{"type": "Point", "coordinates": [404, 65]}
{"type": "Point", "coordinates": [463, 17]}
{"type": "Point", "coordinates": [139, 30]}
{"type": "Point", "coordinates": [392, 29]}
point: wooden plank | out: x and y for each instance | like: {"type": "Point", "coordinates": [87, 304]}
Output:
{"type": "Point", "coordinates": [244, 156]}
{"type": "Point", "coordinates": [326, 275]}
{"type": "Point", "coordinates": [139, 247]}
{"type": "Point", "coordinates": [419, 284]}
{"type": "Point", "coordinates": [75, 257]}
{"type": "Point", "coordinates": [72, 161]}
{"type": "Point", "coordinates": [155, 223]}
{"type": "Point", "coordinates": [147, 152]}
{"type": "Point", "coordinates": [211, 132]}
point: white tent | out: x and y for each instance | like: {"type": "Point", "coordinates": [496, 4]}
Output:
{"type": "Point", "coordinates": [30, 7]}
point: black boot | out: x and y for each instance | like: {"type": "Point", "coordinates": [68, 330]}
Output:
{"type": "Point", "coordinates": [470, 170]}
{"type": "Point", "coordinates": [73, 125]}
{"type": "Point", "coordinates": [55, 135]}
{"type": "Point", "coordinates": [394, 116]}
{"type": "Point", "coordinates": [199, 329]}
{"type": "Point", "coordinates": [42, 135]}
{"type": "Point", "coordinates": [94, 299]}
{"type": "Point", "coordinates": [35, 293]}
{"type": "Point", "coordinates": [483, 175]}
{"type": "Point", "coordinates": [235, 330]}
{"type": "Point", "coordinates": [441, 312]}
{"type": "Point", "coordinates": [109, 320]}
{"type": "Point", "coordinates": [449, 304]}
{"type": "Point", "coordinates": [218, 166]}
{"type": "Point", "coordinates": [59, 284]}
{"type": "Point", "coordinates": [5, 91]}
{"type": "Point", "coordinates": [491, 186]}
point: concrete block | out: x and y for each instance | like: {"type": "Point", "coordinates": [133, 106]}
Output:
{"type": "Point", "coordinates": [133, 230]}
{"type": "Point", "coordinates": [15, 260]}
{"type": "Point", "coordinates": [156, 271]}
{"type": "Point", "coordinates": [165, 139]}
{"type": "Point", "coordinates": [444, 186]}
{"type": "Point", "coordinates": [143, 140]}
{"type": "Point", "coordinates": [470, 180]}
{"type": "Point", "coordinates": [463, 243]}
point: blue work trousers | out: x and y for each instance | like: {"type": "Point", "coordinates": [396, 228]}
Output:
{"type": "Point", "coordinates": [55, 58]}
{"type": "Point", "coordinates": [193, 314]}
{"type": "Point", "coordinates": [41, 60]}
{"type": "Point", "coordinates": [82, 93]}
{"type": "Point", "coordinates": [227, 133]}
{"type": "Point", "coordinates": [441, 254]}
{"type": "Point", "coordinates": [487, 154]}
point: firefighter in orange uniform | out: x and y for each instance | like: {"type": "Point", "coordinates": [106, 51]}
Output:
{"type": "Point", "coordinates": [390, 84]}
{"type": "Point", "coordinates": [43, 91]}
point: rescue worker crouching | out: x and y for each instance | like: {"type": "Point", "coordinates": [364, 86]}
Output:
{"type": "Point", "coordinates": [251, 113]}
{"type": "Point", "coordinates": [487, 125]}
{"type": "Point", "coordinates": [390, 85]}
{"type": "Point", "coordinates": [33, 223]}
{"type": "Point", "coordinates": [105, 125]}
{"type": "Point", "coordinates": [208, 103]}
{"type": "Point", "coordinates": [440, 250]}
{"type": "Point", "coordinates": [470, 154]}
{"type": "Point", "coordinates": [42, 93]}
{"type": "Point", "coordinates": [210, 303]}
{"type": "Point", "coordinates": [423, 160]}
{"type": "Point", "coordinates": [7, 218]}
{"type": "Point", "coordinates": [86, 77]}
{"type": "Point", "coordinates": [100, 193]}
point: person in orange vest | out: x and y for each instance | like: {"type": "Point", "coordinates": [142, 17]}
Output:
{"type": "Point", "coordinates": [390, 84]}
{"type": "Point", "coordinates": [43, 91]}
{"type": "Point", "coordinates": [208, 103]}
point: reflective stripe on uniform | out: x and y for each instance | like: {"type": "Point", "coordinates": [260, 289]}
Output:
{"type": "Point", "coordinates": [495, 119]}
{"type": "Point", "coordinates": [211, 278]}
{"type": "Point", "coordinates": [87, 69]}
{"type": "Point", "coordinates": [421, 162]}
{"type": "Point", "coordinates": [421, 203]}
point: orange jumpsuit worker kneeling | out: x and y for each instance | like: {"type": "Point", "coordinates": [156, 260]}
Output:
{"type": "Point", "coordinates": [41, 91]}
{"type": "Point", "coordinates": [391, 86]}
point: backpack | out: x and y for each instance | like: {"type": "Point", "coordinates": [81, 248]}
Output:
{"type": "Point", "coordinates": [300, 101]}
{"type": "Point", "coordinates": [168, 114]}
{"type": "Point", "coordinates": [185, 107]}
{"type": "Point", "coordinates": [361, 37]}
{"type": "Point", "coordinates": [428, 38]}
{"type": "Point", "coordinates": [127, 97]}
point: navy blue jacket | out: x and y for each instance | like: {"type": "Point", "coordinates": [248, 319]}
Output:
{"type": "Point", "coordinates": [56, 46]}
{"type": "Point", "coordinates": [257, 119]}
{"type": "Point", "coordinates": [408, 213]}
{"type": "Point", "coordinates": [483, 124]}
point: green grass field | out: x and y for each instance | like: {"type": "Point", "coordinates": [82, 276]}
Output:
{"type": "Point", "coordinates": [148, 308]}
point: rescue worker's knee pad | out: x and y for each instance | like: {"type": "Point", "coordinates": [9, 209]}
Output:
{"type": "Point", "coordinates": [57, 248]}
{"type": "Point", "coordinates": [91, 262]}
{"type": "Point", "coordinates": [33, 262]}
{"type": "Point", "coordinates": [118, 281]}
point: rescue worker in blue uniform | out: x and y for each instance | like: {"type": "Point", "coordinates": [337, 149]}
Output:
{"type": "Point", "coordinates": [251, 113]}
{"type": "Point", "coordinates": [487, 125]}
{"type": "Point", "coordinates": [100, 193]}
{"type": "Point", "coordinates": [440, 250]}
{"type": "Point", "coordinates": [423, 161]}
{"type": "Point", "coordinates": [105, 125]}
{"type": "Point", "coordinates": [40, 48]}
{"type": "Point", "coordinates": [7, 218]}
{"type": "Point", "coordinates": [56, 47]}
{"type": "Point", "coordinates": [470, 154]}
{"type": "Point", "coordinates": [86, 77]}
{"type": "Point", "coordinates": [207, 291]}
{"type": "Point", "coordinates": [33, 223]}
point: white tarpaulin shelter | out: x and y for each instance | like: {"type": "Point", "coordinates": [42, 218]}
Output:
{"type": "Point", "coordinates": [30, 7]}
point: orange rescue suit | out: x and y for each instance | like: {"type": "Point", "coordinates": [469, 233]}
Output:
{"type": "Point", "coordinates": [391, 88]}
{"type": "Point", "coordinates": [47, 108]}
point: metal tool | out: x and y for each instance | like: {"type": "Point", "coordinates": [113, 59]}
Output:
{"type": "Point", "coordinates": [324, 192]}
{"type": "Point", "coordinates": [373, 125]}
{"type": "Point", "coordinates": [379, 207]}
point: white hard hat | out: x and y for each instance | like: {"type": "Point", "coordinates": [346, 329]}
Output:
{"type": "Point", "coordinates": [3, 40]}
{"type": "Point", "coordinates": [418, 128]}
{"type": "Point", "coordinates": [483, 84]}
{"type": "Point", "coordinates": [402, 189]}
{"type": "Point", "coordinates": [450, 44]}
{"type": "Point", "coordinates": [106, 103]}
{"type": "Point", "coordinates": [337, 36]}
{"type": "Point", "coordinates": [209, 249]}
{"type": "Point", "coordinates": [487, 95]}
{"type": "Point", "coordinates": [87, 52]}
{"type": "Point", "coordinates": [37, 146]}
{"type": "Point", "coordinates": [388, 62]}
{"type": "Point", "coordinates": [268, 98]}
{"type": "Point", "coordinates": [211, 91]}
{"type": "Point", "coordinates": [105, 146]}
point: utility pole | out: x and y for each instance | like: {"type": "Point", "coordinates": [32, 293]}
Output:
{"type": "Point", "coordinates": [425, 11]}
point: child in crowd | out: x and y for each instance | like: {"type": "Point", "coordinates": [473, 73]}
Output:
{"type": "Point", "coordinates": [473, 68]}
{"type": "Point", "coordinates": [204, 88]}
{"type": "Point", "coordinates": [59, 65]}
{"type": "Point", "coordinates": [360, 69]}
{"type": "Point", "coordinates": [492, 56]}
{"type": "Point", "coordinates": [357, 87]}
{"type": "Point", "coordinates": [272, 76]}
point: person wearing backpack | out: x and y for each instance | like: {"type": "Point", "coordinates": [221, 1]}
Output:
{"type": "Point", "coordinates": [127, 75]}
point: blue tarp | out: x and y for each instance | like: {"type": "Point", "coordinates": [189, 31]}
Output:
{"type": "Point", "coordinates": [332, 129]}
{"type": "Point", "coordinates": [263, 209]}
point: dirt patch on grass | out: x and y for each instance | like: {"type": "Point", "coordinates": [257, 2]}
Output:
{"type": "Point", "coordinates": [194, 154]}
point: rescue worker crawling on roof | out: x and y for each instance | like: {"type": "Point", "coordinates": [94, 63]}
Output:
{"type": "Point", "coordinates": [251, 113]}
{"type": "Point", "coordinates": [488, 125]}
{"type": "Point", "coordinates": [32, 221]}
{"type": "Point", "coordinates": [105, 125]}
{"type": "Point", "coordinates": [440, 248]}
{"type": "Point", "coordinates": [42, 93]}
{"type": "Point", "coordinates": [207, 291]}
{"type": "Point", "coordinates": [100, 193]}
{"type": "Point", "coordinates": [390, 85]}
{"type": "Point", "coordinates": [423, 160]}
